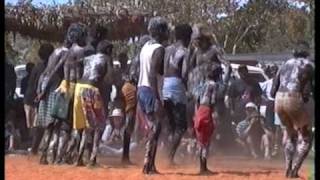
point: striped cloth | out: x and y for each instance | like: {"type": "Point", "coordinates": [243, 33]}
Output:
{"type": "Point", "coordinates": [44, 118]}
{"type": "Point", "coordinates": [129, 92]}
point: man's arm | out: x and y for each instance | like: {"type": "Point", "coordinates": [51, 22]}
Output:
{"type": "Point", "coordinates": [185, 69]}
{"type": "Point", "coordinates": [193, 60]}
{"type": "Point", "coordinates": [157, 66]}
{"type": "Point", "coordinates": [62, 58]}
{"type": "Point", "coordinates": [214, 91]}
{"type": "Point", "coordinates": [275, 85]}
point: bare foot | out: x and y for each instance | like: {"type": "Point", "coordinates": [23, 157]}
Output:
{"type": "Point", "coordinates": [206, 172]}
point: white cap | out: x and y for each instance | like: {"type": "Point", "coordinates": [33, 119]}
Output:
{"type": "Point", "coordinates": [117, 113]}
{"type": "Point", "coordinates": [251, 105]}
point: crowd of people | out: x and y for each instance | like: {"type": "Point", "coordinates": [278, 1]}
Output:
{"type": "Point", "coordinates": [179, 93]}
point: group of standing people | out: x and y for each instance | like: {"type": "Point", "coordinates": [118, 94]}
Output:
{"type": "Point", "coordinates": [72, 81]}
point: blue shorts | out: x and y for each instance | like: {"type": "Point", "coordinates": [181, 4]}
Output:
{"type": "Point", "coordinates": [147, 100]}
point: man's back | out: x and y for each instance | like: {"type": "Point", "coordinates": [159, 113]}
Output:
{"type": "Point", "coordinates": [174, 56]}
{"type": "Point", "coordinates": [295, 74]}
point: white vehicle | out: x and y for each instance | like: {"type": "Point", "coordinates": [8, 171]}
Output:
{"type": "Point", "coordinates": [21, 72]}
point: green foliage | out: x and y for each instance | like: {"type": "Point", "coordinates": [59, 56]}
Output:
{"type": "Point", "coordinates": [258, 26]}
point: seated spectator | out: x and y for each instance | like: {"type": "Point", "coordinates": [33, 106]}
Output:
{"type": "Point", "coordinates": [253, 133]}
{"type": "Point", "coordinates": [112, 138]}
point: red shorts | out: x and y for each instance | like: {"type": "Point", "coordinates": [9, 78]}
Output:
{"type": "Point", "coordinates": [204, 124]}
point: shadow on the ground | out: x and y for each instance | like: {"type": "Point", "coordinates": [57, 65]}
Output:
{"type": "Point", "coordinates": [238, 173]}
{"type": "Point", "coordinates": [241, 173]}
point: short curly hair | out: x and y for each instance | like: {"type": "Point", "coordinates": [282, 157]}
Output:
{"type": "Point", "coordinates": [45, 51]}
{"type": "Point", "coordinates": [157, 25]}
{"type": "Point", "coordinates": [103, 46]}
{"type": "Point", "coordinates": [301, 49]}
{"type": "Point", "coordinates": [76, 33]}
{"type": "Point", "coordinates": [183, 31]}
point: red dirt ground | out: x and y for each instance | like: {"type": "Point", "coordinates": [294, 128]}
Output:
{"type": "Point", "coordinates": [21, 167]}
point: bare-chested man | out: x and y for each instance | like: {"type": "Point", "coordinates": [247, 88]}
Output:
{"type": "Point", "coordinates": [151, 64]}
{"type": "Point", "coordinates": [174, 86]}
{"type": "Point", "coordinates": [49, 80]}
{"type": "Point", "coordinates": [76, 35]}
{"type": "Point", "coordinates": [291, 89]}
{"type": "Point", "coordinates": [89, 106]}
{"type": "Point", "coordinates": [91, 36]}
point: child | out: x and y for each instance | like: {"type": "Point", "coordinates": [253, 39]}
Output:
{"type": "Point", "coordinates": [204, 124]}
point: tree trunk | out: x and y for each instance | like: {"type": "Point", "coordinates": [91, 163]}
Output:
{"type": "Point", "coordinates": [234, 48]}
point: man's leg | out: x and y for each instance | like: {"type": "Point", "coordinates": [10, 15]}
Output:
{"type": "Point", "coordinates": [36, 139]}
{"type": "Point", "coordinates": [52, 150]}
{"type": "Point", "coordinates": [83, 149]}
{"type": "Point", "coordinates": [130, 118]}
{"type": "Point", "coordinates": [29, 115]}
{"type": "Point", "coordinates": [155, 146]}
{"type": "Point", "coordinates": [203, 160]}
{"type": "Point", "coordinates": [151, 145]}
{"type": "Point", "coordinates": [277, 140]}
{"type": "Point", "coordinates": [72, 146]}
{"type": "Point", "coordinates": [45, 143]}
{"type": "Point", "coordinates": [96, 141]}
{"type": "Point", "coordinates": [64, 135]}
{"type": "Point", "coordinates": [179, 114]}
{"type": "Point", "coordinates": [169, 108]}
{"type": "Point", "coordinates": [290, 139]}
{"type": "Point", "coordinates": [303, 148]}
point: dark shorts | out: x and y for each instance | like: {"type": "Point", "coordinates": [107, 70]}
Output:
{"type": "Point", "coordinates": [176, 114]}
{"type": "Point", "coordinates": [147, 100]}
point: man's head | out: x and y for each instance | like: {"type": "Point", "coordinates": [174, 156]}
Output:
{"type": "Point", "coordinates": [158, 28]}
{"type": "Point", "coordinates": [95, 35]}
{"type": "Point", "coordinates": [273, 70]}
{"type": "Point", "coordinates": [123, 58]}
{"type": "Point", "coordinates": [243, 72]}
{"type": "Point", "coordinates": [214, 71]}
{"type": "Point", "coordinates": [105, 47]}
{"type": "Point", "coordinates": [301, 50]}
{"type": "Point", "coordinates": [201, 37]}
{"type": "Point", "coordinates": [251, 108]}
{"type": "Point", "coordinates": [183, 32]}
{"type": "Point", "coordinates": [77, 33]}
{"type": "Point", "coordinates": [29, 67]}
{"type": "Point", "coordinates": [45, 51]}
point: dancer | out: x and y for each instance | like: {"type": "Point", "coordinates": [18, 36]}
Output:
{"type": "Point", "coordinates": [291, 88]}
{"type": "Point", "coordinates": [89, 108]}
{"type": "Point", "coordinates": [174, 86]}
{"type": "Point", "coordinates": [204, 124]}
{"type": "Point", "coordinates": [151, 64]}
